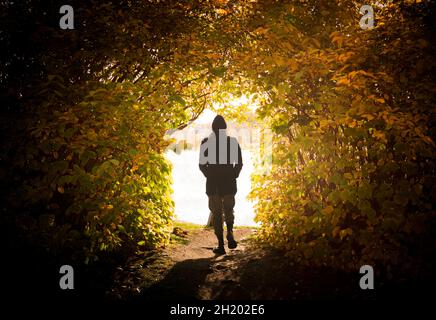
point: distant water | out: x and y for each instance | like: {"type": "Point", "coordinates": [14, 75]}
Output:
{"type": "Point", "coordinates": [189, 185]}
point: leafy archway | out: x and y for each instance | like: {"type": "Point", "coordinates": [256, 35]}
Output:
{"type": "Point", "coordinates": [351, 111]}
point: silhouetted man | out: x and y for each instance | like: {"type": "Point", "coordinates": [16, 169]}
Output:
{"type": "Point", "coordinates": [221, 163]}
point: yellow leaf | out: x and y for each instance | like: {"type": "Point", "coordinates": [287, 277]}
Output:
{"type": "Point", "coordinates": [281, 61]}
{"type": "Point", "coordinates": [261, 30]}
{"type": "Point", "coordinates": [428, 140]}
{"type": "Point", "coordinates": [293, 65]}
{"type": "Point", "coordinates": [368, 116]}
{"type": "Point", "coordinates": [323, 123]}
{"type": "Point", "coordinates": [317, 43]}
{"type": "Point", "coordinates": [348, 175]}
{"type": "Point", "coordinates": [221, 11]}
{"type": "Point", "coordinates": [344, 81]}
{"type": "Point", "coordinates": [345, 232]}
{"type": "Point", "coordinates": [379, 135]}
{"type": "Point", "coordinates": [213, 56]}
{"type": "Point", "coordinates": [337, 38]}
{"type": "Point", "coordinates": [328, 210]}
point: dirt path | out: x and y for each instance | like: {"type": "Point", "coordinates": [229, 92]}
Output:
{"type": "Point", "coordinates": [189, 270]}
{"type": "Point", "coordinates": [196, 269]}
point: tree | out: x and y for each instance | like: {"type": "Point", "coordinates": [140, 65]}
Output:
{"type": "Point", "coordinates": [352, 112]}
{"type": "Point", "coordinates": [351, 109]}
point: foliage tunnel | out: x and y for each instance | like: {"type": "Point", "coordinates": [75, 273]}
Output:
{"type": "Point", "coordinates": [85, 112]}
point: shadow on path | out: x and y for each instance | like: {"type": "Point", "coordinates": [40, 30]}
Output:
{"type": "Point", "coordinates": [181, 282]}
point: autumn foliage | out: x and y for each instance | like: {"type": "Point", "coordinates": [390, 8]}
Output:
{"type": "Point", "coordinates": [353, 178]}
{"type": "Point", "coordinates": [352, 110]}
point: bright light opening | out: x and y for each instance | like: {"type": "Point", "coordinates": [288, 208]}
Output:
{"type": "Point", "coordinates": [189, 184]}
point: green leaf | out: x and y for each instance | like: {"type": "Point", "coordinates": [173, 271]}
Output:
{"type": "Point", "coordinates": [178, 98]}
{"type": "Point", "coordinates": [219, 72]}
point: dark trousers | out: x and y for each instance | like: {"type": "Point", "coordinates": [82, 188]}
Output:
{"type": "Point", "coordinates": [219, 205]}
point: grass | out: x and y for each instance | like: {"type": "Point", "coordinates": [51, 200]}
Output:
{"type": "Point", "coordinates": [188, 225]}
{"type": "Point", "coordinates": [193, 226]}
{"type": "Point", "coordinates": [178, 240]}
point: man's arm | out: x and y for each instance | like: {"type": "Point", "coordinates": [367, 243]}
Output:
{"type": "Point", "coordinates": [238, 166]}
{"type": "Point", "coordinates": [203, 166]}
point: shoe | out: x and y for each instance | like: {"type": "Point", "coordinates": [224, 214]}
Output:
{"type": "Point", "coordinates": [219, 250]}
{"type": "Point", "coordinates": [231, 243]}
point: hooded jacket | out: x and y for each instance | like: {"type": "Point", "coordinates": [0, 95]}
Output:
{"type": "Point", "coordinates": [220, 160]}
